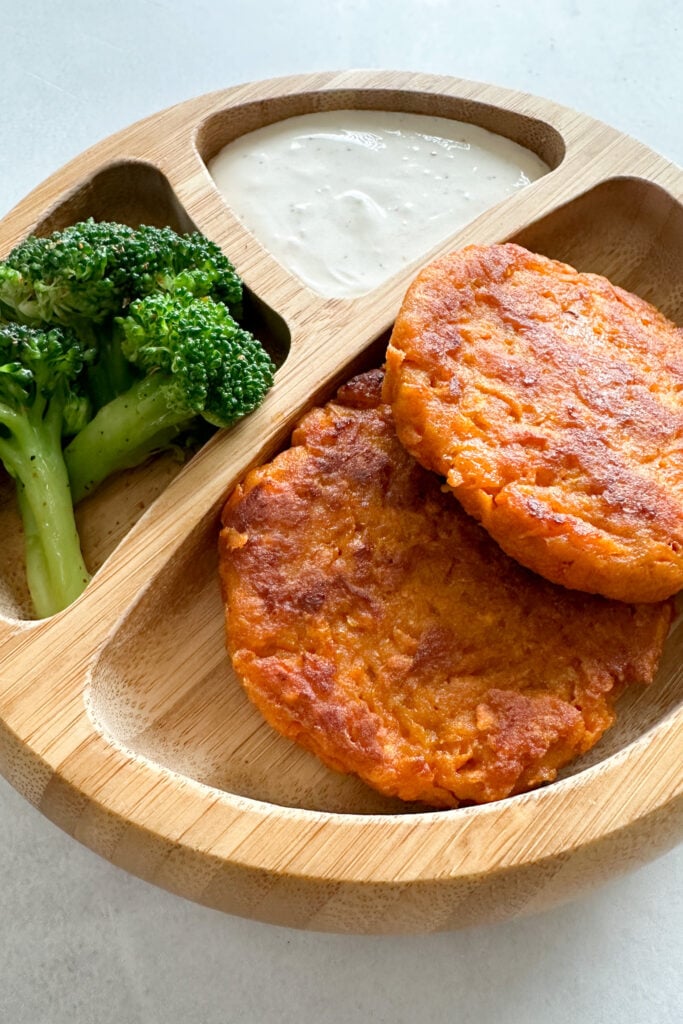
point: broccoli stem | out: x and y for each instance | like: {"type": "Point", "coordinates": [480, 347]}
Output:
{"type": "Point", "coordinates": [124, 432]}
{"type": "Point", "coordinates": [111, 374]}
{"type": "Point", "coordinates": [55, 570]}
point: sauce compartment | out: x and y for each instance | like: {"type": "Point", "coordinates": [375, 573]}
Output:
{"type": "Point", "coordinates": [348, 188]}
{"type": "Point", "coordinates": [347, 199]}
{"type": "Point", "coordinates": [133, 193]}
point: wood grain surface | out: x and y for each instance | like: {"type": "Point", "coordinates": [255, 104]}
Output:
{"type": "Point", "coordinates": [120, 718]}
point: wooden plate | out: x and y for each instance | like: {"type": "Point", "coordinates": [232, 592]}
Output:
{"type": "Point", "coordinates": [120, 718]}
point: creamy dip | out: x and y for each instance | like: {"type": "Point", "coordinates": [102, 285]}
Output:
{"type": "Point", "coordinates": [345, 198]}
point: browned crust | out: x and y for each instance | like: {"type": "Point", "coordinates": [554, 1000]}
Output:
{"type": "Point", "coordinates": [375, 623]}
{"type": "Point", "coordinates": [552, 402]}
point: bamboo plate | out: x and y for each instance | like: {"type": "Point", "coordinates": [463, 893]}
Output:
{"type": "Point", "coordinates": [120, 718]}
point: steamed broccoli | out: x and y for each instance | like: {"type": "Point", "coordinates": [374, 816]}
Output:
{"type": "Point", "coordinates": [135, 321]}
{"type": "Point", "coordinates": [88, 273]}
{"type": "Point", "coordinates": [72, 278]}
{"type": "Point", "coordinates": [196, 361]}
{"type": "Point", "coordinates": [159, 260]}
{"type": "Point", "coordinates": [91, 270]}
{"type": "Point", "coordinates": [40, 401]}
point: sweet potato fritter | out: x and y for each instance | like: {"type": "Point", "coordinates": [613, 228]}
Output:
{"type": "Point", "coordinates": [374, 622]}
{"type": "Point", "coordinates": [552, 402]}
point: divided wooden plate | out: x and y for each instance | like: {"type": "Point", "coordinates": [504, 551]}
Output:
{"type": "Point", "coordinates": [120, 718]}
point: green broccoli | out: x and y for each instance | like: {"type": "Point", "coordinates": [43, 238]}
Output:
{"type": "Point", "coordinates": [84, 276]}
{"type": "Point", "coordinates": [72, 278]}
{"type": "Point", "coordinates": [40, 401]}
{"type": "Point", "coordinates": [195, 361]}
{"type": "Point", "coordinates": [159, 260]}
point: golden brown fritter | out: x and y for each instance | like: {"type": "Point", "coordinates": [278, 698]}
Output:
{"type": "Point", "coordinates": [374, 622]}
{"type": "Point", "coordinates": [552, 402]}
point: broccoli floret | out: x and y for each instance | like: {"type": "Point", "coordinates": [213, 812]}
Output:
{"type": "Point", "coordinates": [195, 361]}
{"type": "Point", "coordinates": [72, 278]}
{"type": "Point", "coordinates": [91, 270]}
{"type": "Point", "coordinates": [85, 275]}
{"type": "Point", "coordinates": [159, 260]}
{"type": "Point", "coordinates": [40, 401]}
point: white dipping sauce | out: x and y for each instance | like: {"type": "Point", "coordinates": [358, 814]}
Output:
{"type": "Point", "coordinates": [345, 198]}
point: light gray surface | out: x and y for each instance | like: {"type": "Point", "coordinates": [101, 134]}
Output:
{"type": "Point", "coordinates": [83, 942]}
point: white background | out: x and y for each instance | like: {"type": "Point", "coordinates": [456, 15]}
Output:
{"type": "Point", "coordinates": [82, 942]}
